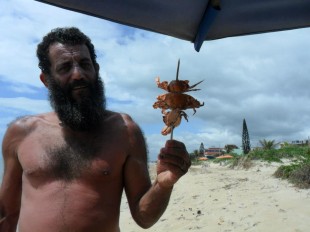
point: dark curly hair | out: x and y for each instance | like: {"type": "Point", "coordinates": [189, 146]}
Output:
{"type": "Point", "coordinates": [67, 36]}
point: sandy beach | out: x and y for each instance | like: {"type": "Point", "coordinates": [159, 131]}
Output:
{"type": "Point", "coordinates": [217, 198]}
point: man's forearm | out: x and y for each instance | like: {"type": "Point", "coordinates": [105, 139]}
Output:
{"type": "Point", "coordinates": [8, 224]}
{"type": "Point", "coordinates": [152, 205]}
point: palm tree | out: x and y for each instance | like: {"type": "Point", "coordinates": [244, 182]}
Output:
{"type": "Point", "coordinates": [268, 144]}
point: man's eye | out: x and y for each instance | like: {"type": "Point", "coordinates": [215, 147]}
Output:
{"type": "Point", "coordinates": [86, 65]}
{"type": "Point", "coordinates": [64, 68]}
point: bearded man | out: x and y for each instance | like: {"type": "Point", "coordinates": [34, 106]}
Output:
{"type": "Point", "coordinates": [65, 171]}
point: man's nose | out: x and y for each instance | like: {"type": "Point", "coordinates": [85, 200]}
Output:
{"type": "Point", "coordinates": [77, 73]}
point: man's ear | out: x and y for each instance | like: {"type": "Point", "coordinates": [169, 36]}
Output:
{"type": "Point", "coordinates": [43, 78]}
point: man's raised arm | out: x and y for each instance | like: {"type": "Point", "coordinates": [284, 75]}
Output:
{"type": "Point", "coordinates": [149, 201]}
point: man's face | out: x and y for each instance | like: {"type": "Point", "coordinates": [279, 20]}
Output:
{"type": "Point", "coordinates": [72, 68]}
{"type": "Point", "coordinates": [75, 88]}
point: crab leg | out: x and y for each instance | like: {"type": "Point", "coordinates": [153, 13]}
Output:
{"type": "Point", "coordinates": [191, 87]}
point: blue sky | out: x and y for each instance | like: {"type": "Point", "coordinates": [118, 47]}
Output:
{"type": "Point", "coordinates": [263, 78]}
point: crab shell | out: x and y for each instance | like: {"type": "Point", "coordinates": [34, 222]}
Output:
{"type": "Point", "coordinates": [179, 101]}
{"type": "Point", "coordinates": [172, 119]}
{"type": "Point", "coordinates": [176, 86]}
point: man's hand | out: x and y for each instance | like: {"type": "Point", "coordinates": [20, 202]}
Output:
{"type": "Point", "coordinates": [173, 162]}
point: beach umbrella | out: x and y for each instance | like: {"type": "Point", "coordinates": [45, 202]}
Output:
{"type": "Point", "coordinates": [225, 157]}
{"type": "Point", "coordinates": [198, 20]}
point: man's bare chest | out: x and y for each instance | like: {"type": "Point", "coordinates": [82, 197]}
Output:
{"type": "Point", "coordinates": [50, 154]}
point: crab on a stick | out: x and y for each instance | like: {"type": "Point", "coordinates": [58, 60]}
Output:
{"type": "Point", "coordinates": [172, 119]}
{"type": "Point", "coordinates": [180, 101]}
{"type": "Point", "coordinates": [176, 100]}
{"type": "Point", "coordinates": [176, 86]}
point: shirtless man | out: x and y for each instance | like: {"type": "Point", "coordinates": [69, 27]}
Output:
{"type": "Point", "coordinates": [65, 171]}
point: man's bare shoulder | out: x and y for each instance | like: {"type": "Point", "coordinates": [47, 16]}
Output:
{"type": "Point", "coordinates": [126, 118]}
{"type": "Point", "coordinates": [22, 126]}
{"type": "Point", "coordinates": [126, 122]}
{"type": "Point", "coordinates": [116, 117]}
{"type": "Point", "coordinates": [28, 122]}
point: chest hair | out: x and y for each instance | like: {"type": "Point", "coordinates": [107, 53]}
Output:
{"type": "Point", "coordinates": [71, 158]}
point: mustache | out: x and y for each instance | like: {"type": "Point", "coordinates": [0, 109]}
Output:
{"type": "Point", "coordinates": [76, 84]}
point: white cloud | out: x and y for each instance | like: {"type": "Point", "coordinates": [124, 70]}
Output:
{"type": "Point", "coordinates": [23, 104]}
{"type": "Point", "coordinates": [262, 78]}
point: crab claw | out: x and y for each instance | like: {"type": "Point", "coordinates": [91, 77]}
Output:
{"type": "Point", "coordinates": [163, 85]}
{"type": "Point", "coordinates": [166, 130]}
{"type": "Point", "coordinates": [172, 119]}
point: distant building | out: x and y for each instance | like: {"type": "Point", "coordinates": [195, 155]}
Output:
{"type": "Point", "coordinates": [300, 142]}
{"type": "Point", "coordinates": [214, 151]}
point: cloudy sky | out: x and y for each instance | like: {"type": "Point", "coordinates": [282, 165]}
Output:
{"type": "Point", "coordinates": [263, 78]}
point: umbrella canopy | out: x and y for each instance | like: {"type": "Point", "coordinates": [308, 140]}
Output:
{"type": "Point", "coordinates": [198, 20]}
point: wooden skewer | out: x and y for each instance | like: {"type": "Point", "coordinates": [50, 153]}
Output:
{"type": "Point", "coordinates": [171, 135]}
{"type": "Point", "coordinates": [177, 76]}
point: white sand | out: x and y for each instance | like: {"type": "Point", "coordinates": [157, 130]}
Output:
{"type": "Point", "coordinates": [217, 198]}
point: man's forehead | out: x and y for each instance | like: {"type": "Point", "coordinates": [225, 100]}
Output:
{"type": "Point", "coordinates": [58, 50]}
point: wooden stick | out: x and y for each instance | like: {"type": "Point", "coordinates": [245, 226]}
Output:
{"type": "Point", "coordinates": [171, 135]}
{"type": "Point", "coordinates": [177, 76]}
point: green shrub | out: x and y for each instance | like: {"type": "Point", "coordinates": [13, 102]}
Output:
{"type": "Point", "coordinates": [292, 151]}
{"type": "Point", "coordinates": [298, 174]}
{"type": "Point", "coordinates": [299, 153]}
{"type": "Point", "coordinates": [285, 171]}
{"type": "Point", "coordinates": [271, 155]}
{"type": "Point", "coordinates": [301, 176]}
{"type": "Point", "coordinates": [244, 161]}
